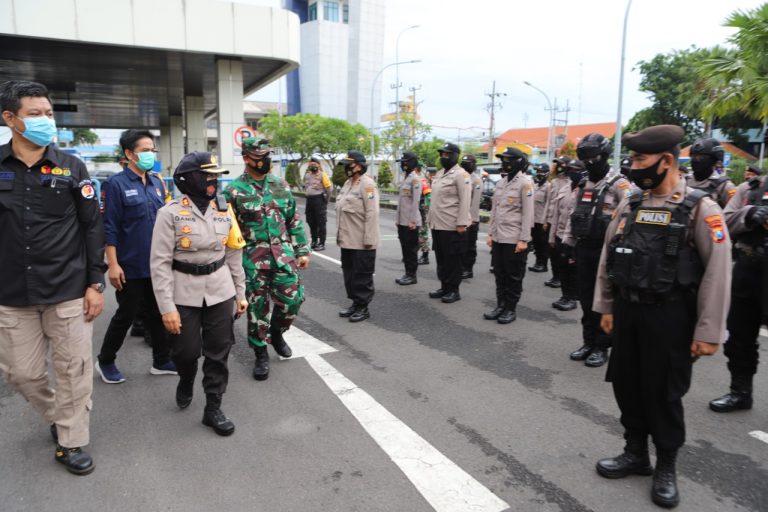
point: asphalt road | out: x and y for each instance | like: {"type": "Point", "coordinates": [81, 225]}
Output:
{"type": "Point", "coordinates": [502, 405]}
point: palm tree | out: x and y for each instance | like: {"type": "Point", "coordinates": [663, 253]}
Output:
{"type": "Point", "coordinates": [739, 78]}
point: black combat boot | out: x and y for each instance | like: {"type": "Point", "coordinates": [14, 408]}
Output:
{"type": "Point", "coordinates": [406, 280]}
{"type": "Point", "coordinates": [740, 397]}
{"type": "Point", "coordinates": [664, 490]}
{"type": "Point", "coordinates": [507, 316]}
{"type": "Point", "coordinates": [553, 283]}
{"type": "Point", "coordinates": [597, 358]}
{"type": "Point", "coordinates": [278, 342]}
{"type": "Point", "coordinates": [568, 304]}
{"type": "Point", "coordinates": [360, 314]}
{"type": "Point", "coordinates": [581, 353]}
{"type": "Point", "coordinates": [538, 267]}
{"type": "Point", "coordinates": [346, 313]}
{"type": "Point", "coordinates": [496, 313]}
{"type": "Point", "coordinates": [75, 460]}
{"type": "Point", "coordinates": [261, 367]}
{"type": "Point", "coordinates": [467, 274]}
{"type": "Point", "coordinates": [424, 260]}
{"type": "Point", "coordinates": [214, 417]}
{"type": "Point", "coordinates": [184, 392]}
{"type": "Point", "coordinates": [634, 460]}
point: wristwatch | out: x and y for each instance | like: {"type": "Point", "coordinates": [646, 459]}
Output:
{"type": "Point", "coordinates": [99, 287]}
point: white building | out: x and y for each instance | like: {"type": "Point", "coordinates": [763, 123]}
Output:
{"type": "Point", "coordinates": [341, 53]}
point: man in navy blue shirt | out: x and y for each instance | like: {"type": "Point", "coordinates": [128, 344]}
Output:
{"type": "Point", "coordinates": [131, 201]}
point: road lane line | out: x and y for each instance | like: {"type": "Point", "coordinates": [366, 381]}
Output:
{"type": "Point", "coordinates": [445, 486]}
{"type": "Point", "coordinates": [332, 260]}
{"type": "Point", "coordinates": [758, 434]}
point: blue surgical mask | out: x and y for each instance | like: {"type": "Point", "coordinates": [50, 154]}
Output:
{"type": "Point", "coordinates": [146, 161]}
{"type": "Point", "coordinates": [39, 130]}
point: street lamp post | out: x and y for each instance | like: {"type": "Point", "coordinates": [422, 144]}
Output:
{"type": "Point", "coordinates": [397, 71]}
{"type": "Point", "coordinates": [617, 137]}
{"type": "Point", "coordinates": [551, 115]}
{"type": "Point", "coordinates": [373, 88]}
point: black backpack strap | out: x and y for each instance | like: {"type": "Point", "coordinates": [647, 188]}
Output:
{"type": "Point", "coordinates": [221, 203]}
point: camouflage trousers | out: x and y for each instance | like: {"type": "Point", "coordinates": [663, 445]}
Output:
{"type": "Point", "coordinates": [284, 289]}
{"type": "Point", "coordinates": [424, 229]}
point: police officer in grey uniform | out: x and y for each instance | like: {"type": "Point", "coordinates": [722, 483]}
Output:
{"type": "Point", "coordinates": [540, 234]}
{"type": "Point", "coordinates": [469, 164]}
{"type": "Point", "coordinates": [509, 233]}
{"type": "Point", "coordinates": [559, 181]}
{"type": "Point", "coordinates": [199, 282]}
{"type": "Point", "coordinates": [317, 188]}
{"type": "Point", "coordinates": [357, 220]}
{"type": "Point", "coordinates": [563, 257]}
{"type": "Point", "coordinates": [409, 218]}
{"type": "Point", "coordinates": [596, 199]}
{"type": "Point", "coordinates": [662, 289]}
{"type": "Point", "coordinates": [706, 154]}
{"type": "Point", "coordinates": [448, 219]}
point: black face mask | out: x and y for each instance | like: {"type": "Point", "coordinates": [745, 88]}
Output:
{"type": "Point", "coordinates": [597, 168]}
{"type": "Point", "coordinates": [406, 167]}
{"type": "Point", "coordinates": [349, 170]}
{"type": "Point", "coordinates": [313, 169]}
{"type": "Point", "coordinates": [540, 179]}
{"type": "Point", "coordinates": [260, 165]}
{"type": "Point", "coordinates": [468, 166]}
{"type": "Point", "coordinates": [702, 166]}
{"type": "Point", "coordinates": [448, 161]}
{"type": "Point", "coordinates": [575, 177]}
{"type": "Point", "coordinates": [512, 167]}
{"type": "Point", "coordinates": [647, 178]}
{"type": "Point", "coordinates": [196, 185]}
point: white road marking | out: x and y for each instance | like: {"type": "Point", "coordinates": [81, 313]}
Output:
{"type": "Point", "coordinates": [443, 484]}
{"type": "Point", "coordinates": [758, 434]}
{"type": "Point", "coordinates": [323, 256]}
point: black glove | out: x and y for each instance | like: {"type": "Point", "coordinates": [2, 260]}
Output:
{"type": "Point", "coordinates": [757, 216]}
{"type": "Point", "coordinates": [567, 252]}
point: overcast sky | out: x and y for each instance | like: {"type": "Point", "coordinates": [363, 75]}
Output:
{"type": "Point", "coordinates": [569, 49]}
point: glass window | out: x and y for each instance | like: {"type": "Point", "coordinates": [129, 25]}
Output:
{"type": "Point", "coordinates": [346, 13]}
{"type": "Point", "coordinates": [313, 11]}
{"type": "Point", "coordinates": [330, 10]}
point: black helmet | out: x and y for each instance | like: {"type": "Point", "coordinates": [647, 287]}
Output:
{"type": "Point", "coordinates": [592, 145]}
{"type": "Point", "coordinates": [542, 168]}
{"type": "Point", "coordinates": [709, 147]}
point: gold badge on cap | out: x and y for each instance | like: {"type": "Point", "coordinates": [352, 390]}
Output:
{"type": "Point", "coordinates": [214, 160]}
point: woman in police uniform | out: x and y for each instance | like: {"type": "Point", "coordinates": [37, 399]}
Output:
{"type": "Point", "coordinates": [197, 275]}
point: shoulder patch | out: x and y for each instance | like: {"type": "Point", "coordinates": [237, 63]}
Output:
{"type": "Point", "coordinates": [623, 184]}
{"type": "Point", "coordinates": [715, 223]}
{"type": "Point", "coordinates": [731, 193]}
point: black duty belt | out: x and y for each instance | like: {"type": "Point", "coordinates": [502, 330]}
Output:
{"type": "Point", "coordinates": [648, 297]}
{"type": "Point", "coordinates": [750, 251]}
{"type": "Point", "coordinates": [590, 243]}
{"type": "Point", "coordinates": [197, 270]}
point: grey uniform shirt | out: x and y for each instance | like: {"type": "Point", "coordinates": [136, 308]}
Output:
{"type": "Point", "coordinates": [618, 190]}
{"type": "Point", "coordinates": [313, 184]}
{"type": "Point", "coordinates": [357, 214]}
{"type": "Point", "coordinates": [707, 232]}
{"type": "Point", "coordinates": [184, 234]}
{"type": "Point", "coordinates": [540, 198]}
{"type": "Point", "coordinates": [451, 195]}
{"type": "Point", "coordinates": [562, 208]}
{"type": "Point", "coordinates": [477, 194]}
{"type": "Point", "coordinates": [721, 195]}
{"type": "Point", "coordinates": [557, 184]}
{"type": "Point", "coordinates": [512, 211]}
{"type": "Point", "coordinates": [408, 201]}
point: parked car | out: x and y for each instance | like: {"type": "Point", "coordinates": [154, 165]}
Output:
{"type": "Point", "coordinates": [489, 184]}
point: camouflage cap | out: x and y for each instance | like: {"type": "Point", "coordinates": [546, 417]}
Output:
{"type": "Point", "coordinates": [256, 147]}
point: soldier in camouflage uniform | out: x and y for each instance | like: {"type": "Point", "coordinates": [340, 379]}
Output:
{"type": "Point", "coordinates": [276, 248]}
{"type": "Point", "coordinates": [426, 195]}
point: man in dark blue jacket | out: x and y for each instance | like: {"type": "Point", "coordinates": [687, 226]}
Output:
{"type": "Point", "coordinates": [131, 201]}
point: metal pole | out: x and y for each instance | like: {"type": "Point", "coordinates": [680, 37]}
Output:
{"type": "Point", "coordinates": [551, 120]}
{"type": "Point", "coordinates": [397, 72]}
{"type": "Point", "coordinates": [617, 137]}
{"type": "Point", "coordinates": [373, 87]}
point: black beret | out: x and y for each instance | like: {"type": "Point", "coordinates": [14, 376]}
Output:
{"type": "Point", "coordinates": [654, 139]}
{"type": "Point", "coordinates": [511, 152]}
{"type": "Point", "coordinates": [449, 148]}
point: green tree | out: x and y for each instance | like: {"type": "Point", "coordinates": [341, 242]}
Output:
{"type": "Point", "coordinates": [312, 134]}
{"type": "Point", "coordinates": [567, 149]}
{"type": "Point", "coordinates": [292, 175]}
{"type": "Point", "coordinates": [385, 175]}
{"type": "Point", "coordinates": [84, 136]}
{"type": "Point", "coordinates": [677, 91]}
{"type": "Point", "coordinates": [339, 177]}
{"type": "Point", "coordinates": [426, 150]}
{"type": "Point", "coordinates": [739, 78]}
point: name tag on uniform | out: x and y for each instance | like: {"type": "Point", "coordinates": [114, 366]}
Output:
{"type": "Point", "coordinates": [131, 192]}
{"type": "Point", "coordinates": [659, 218]}
{"type": "Point", "coordinates": [765, 195]}
{"type": "Point", "coordinates": [587, 196]}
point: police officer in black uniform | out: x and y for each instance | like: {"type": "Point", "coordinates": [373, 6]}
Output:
{"type": "Point", "coordinates": [597, 198]}
{"type": "Point", "coordinates": [662, 288]}
{"type": "Point", "coordinates": [747, 217]}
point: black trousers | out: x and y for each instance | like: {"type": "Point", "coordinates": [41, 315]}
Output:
{"type": "Point", "coordinates": [209, 331]}
{"type": "Point", "coordinates": [358, 266]}
{"type": "Point", "coordinates": [566, 271]}
{"type": "Point", "coordinates": [317, 217]}
{"type": "Point", "coordinates": [470, 253]}
{"type": "Point", "coordinates": [587, 262]}
{"type": "Point", "coordinates": [509, 270]}
{"type": "Point", "coordinates": [540, 238]}
{"type": "Point", "coordinates": [650, 367]}
{"type": "Point", "coordinates": [745, 316]}
{"type": "Point", "coordinates": [449, 247]}
{"type": "Point", "coordinates": [136, 294]}
{"type": "Point", "coordinates": [409, 246]}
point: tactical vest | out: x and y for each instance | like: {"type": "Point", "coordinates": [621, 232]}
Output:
{"type": "Point", "coordinates": [588, 222]}
{"type": "Point", "coordinates": [757, 196]}
{"type": "Point", "coordinates": [652, 256]}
